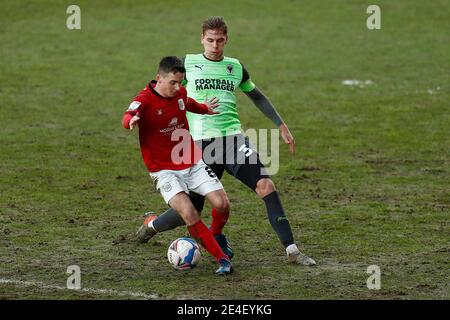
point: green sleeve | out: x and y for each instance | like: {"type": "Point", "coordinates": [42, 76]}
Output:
{"type": "Point", "coordinates": [247, 86]}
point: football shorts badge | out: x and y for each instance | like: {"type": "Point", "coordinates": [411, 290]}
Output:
{"type": "Point", "coordinates": [167, 187]}
{"type": "Point", "coordinates": [181, 104]}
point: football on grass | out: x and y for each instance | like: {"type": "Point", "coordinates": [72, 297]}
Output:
{"type": "Point", "coordinates": [184, 254]}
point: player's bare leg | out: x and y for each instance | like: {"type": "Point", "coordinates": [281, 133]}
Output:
{"type": "Point", "coordinates": [183, 205]}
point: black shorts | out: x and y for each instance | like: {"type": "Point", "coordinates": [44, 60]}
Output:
{"type": "Point", "coordinates": [236, 155]}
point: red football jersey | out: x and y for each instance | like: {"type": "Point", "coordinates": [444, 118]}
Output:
{"type": "Point", "coordinates": [160, 118]}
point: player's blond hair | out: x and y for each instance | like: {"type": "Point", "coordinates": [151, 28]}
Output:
{"type": "Point", "coordinates": [215, 23]}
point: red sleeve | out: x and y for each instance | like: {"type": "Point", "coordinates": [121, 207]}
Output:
{"type": "Point", "coordinates": [195, 107]}
{"type": "Point", "coordinates": [134, 108]}
{"type": "Point", "coordinates": [126, 120]}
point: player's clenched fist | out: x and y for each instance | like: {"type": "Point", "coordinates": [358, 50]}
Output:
{"type": "Point", "coordinates": [134, 121]}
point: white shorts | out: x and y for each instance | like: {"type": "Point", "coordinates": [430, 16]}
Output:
{"type": "Point", "coordinates": [198, 178]}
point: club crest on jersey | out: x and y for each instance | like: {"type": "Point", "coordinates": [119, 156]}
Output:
{"type": "Point", "coordinates": [230, 68]}
{"type": "Point", "coordinates": [159, 112]}
{"type": "Point", "coordinates": [181, 104]}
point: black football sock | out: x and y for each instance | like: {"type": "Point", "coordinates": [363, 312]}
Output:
{"type": "Point", "coordinates": [278, 219]}
{"type": "Point", "coordinates": [168, 220]}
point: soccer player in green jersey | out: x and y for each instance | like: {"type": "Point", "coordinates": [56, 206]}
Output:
{"type": "Point", "coordinates": [212, 74]}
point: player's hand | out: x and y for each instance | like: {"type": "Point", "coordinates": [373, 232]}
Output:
{"type": "Point", "coordinates": [212, 104]}
{"type": "Point", "coordinates": [287, 137]}
{"type": "Point", "coordinates": [134, 121]}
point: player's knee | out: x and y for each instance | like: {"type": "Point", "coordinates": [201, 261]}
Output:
{"type": "Point", "coordinates": [219, 201]}
{"type": "Point", "coordinates": [264, 187]}
{"type": "Point", "coordinates": [190, 216]}
{"type": "Point", "coordinates": [225, 205]}
{"type": "Point", "coordinates": [222, 204]}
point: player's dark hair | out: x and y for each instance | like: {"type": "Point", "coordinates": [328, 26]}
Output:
{"type": "Point", "coordinates": [215, 23]}
{"type": "Point", "coordinates": [171, 64]}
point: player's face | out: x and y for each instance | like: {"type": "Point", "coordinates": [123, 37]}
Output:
{"type": "Point", "coordinates": [214, 42]}
{"type": "Point", "coordinates": [169, 84]}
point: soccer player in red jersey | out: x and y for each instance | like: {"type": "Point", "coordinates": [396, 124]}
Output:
{"type": "Point", "coordinates": [159, 111]}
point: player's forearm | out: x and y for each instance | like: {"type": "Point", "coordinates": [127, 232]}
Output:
{"type": "Point", "coordinates": [126, 120]}
{"type": "Point", "coordinates": [195, 107]}
{"type": "Point", "coordinates": [266, 107]}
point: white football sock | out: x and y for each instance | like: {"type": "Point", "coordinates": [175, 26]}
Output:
{"type": "Point", "coordinates": [150, 225]}
{"type": "Point", "coordinates": [292, 249]}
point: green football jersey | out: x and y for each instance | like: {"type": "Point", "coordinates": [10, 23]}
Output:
{"type": "Point", "coordinates": [207, 79]}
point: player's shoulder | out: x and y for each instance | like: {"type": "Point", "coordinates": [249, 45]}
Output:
{"type": "Point", "coordinates": [182, 92]}
{"type": "Point", "coordinates": [235, 63]}
{"type": "Point", "coordinates": [193, 55]}
{"type": "Point", "coordinates": [138, 101]}
{"type": "Point", "coordinates": [144, 96]}
{"type": "Point", "coordinates": [144, 91]}
{"type": "Point", "coordinates": [231, 59]}
{"type": "Point", "coordinates": [192, 58]}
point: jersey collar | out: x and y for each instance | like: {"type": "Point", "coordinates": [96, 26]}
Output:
{"type": "Point", "coordinates": [151, 87]}
{"type": "Point", "coordinates": [212, 60]}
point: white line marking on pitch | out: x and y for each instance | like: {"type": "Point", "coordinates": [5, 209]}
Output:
{"type": "Point", "coordinates": [88, 290]}
{"type": "Point", "coordinates": [359, 83]}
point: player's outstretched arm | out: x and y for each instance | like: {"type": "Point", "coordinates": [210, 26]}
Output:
{"type": "Point", "coordinates": [212, 104]}
{"type": "Point", "coordinates": [134, 121]}
{"type": "Point", "coordinates": [287, 137]}
{"type": "Point", "coordinates": [207, 107]}
{"type": "Point", "coordinates": [266, 107]}
{"type": "Point", "coordinates": [132, 116]}
{"type": "Point", "coordinates": [130, 120]}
